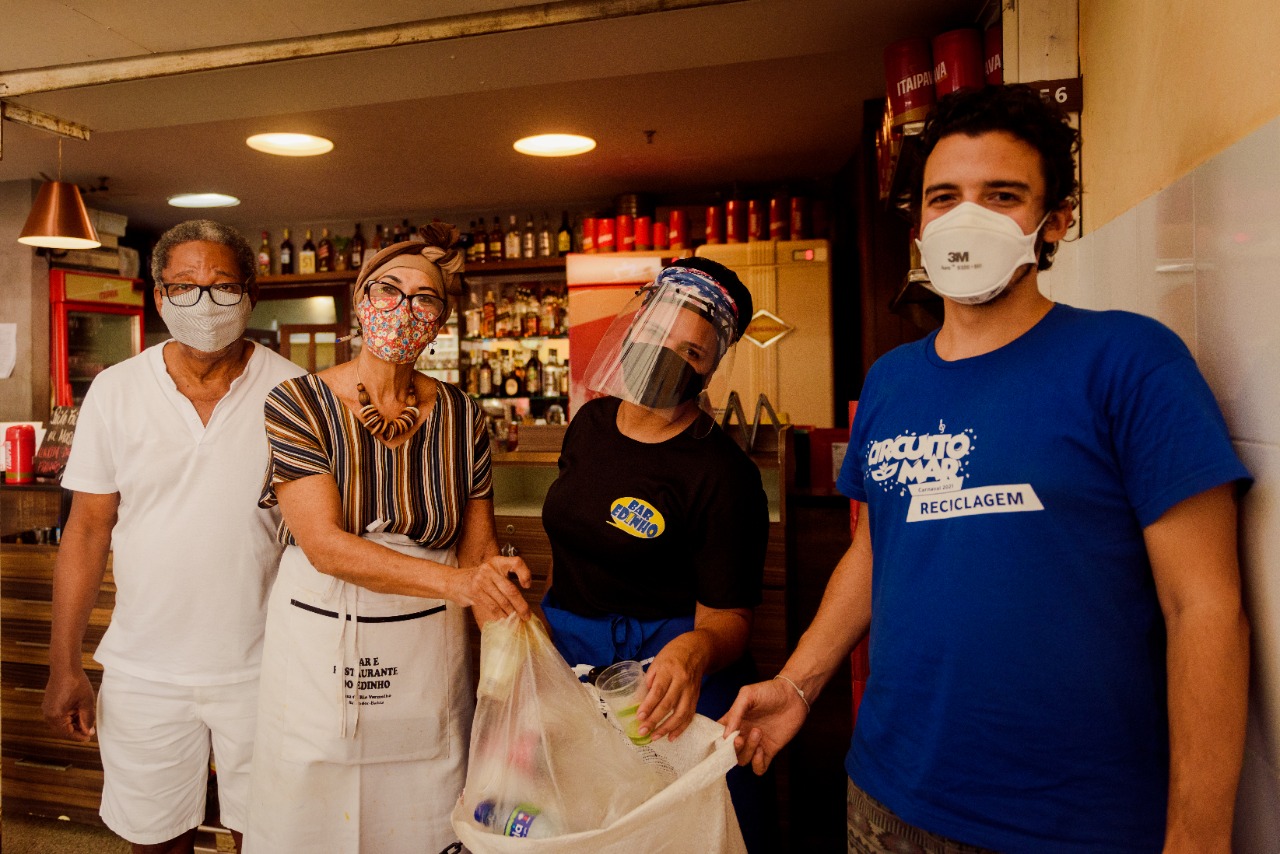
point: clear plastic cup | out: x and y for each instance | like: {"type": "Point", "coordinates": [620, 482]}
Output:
{"type": "Point", "coordinates": [623, 689]}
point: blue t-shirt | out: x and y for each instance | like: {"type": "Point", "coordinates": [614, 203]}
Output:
{"type": "Point", "coordinates": [1017, 691]}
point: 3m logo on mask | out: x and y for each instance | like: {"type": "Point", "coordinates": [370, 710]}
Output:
{"type": "Point", "coordinates": [958, 257]}
{"type": "Point", "coordinates": [930, 468]}
{"type": "Point", "coordinates": [637, 517]}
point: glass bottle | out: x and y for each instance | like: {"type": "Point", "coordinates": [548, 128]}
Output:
{"type": "Point", "coordinates": [533, 375]}
{"type": "Point", "coordinates": [307, 257]}
{"type": "Point", "coordinates": [528, 240]}
{"type": "Point", "coordinates": [484, 376]}
{"type": "Point", "coordinates": [480, 242]}
{"type": "Point", "coordinates": [564, 237]}
{"type": "Point", "coordinates": [511, 246]}
{"type": "Point", "coordinates": [355, 250]}
{"type": "Point", "coordinates": [495, 241]}
{"type": "Point", "coordinates": [264, 256]}
{"type": "Point", "coordinates": [286, 254]}
{"type": "Point", "coordinates": [489, 316]}
{"type": "Point", "coordinates": [324, 252]}
{"type": "Point", "coordinates": [545, 245]}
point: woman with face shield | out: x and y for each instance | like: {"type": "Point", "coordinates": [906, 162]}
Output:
{"type": "Point", "coordinates": [658, 520]}
{"type": "Point", "coordinates": [382, 476]}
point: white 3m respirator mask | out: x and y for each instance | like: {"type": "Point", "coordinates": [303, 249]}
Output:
{"type": "Point", "coordinates": [971, 253]}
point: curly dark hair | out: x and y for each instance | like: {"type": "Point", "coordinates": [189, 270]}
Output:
{"type": "Point", "coordinates": [1019, 110]}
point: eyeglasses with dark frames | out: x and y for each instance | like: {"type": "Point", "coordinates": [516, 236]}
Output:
{"type": "Point", "coordinates": [385, 296]}
{"type": "Point", "coordinates": [186, 294]}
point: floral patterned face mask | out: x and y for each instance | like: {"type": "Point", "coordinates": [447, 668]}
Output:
{"type": "Point", "coordinates": [398, 336]}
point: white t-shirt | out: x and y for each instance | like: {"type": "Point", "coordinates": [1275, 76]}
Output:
{"type": "Point", "coordinates": [194, 556]}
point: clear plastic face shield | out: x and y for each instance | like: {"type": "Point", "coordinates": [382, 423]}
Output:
{"type": "Point", "coordinates": [663, 347]}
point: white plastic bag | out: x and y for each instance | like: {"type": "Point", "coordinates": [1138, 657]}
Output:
{"type": "Point", "coordinates": [590, 790]}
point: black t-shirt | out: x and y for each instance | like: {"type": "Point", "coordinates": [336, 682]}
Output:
{"type": "Point", "coordinates": [649, 530]}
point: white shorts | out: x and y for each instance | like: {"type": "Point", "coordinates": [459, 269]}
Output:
{"type": "Point", "coordinates": [154, 739]}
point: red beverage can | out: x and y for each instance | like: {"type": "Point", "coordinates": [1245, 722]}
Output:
{"type": "Point", "coordinates": [715, 224]}
{"type": "Point", "coordinates": [625, 232]}
{"type": "Point", "coordinates": [957, 61]}
{"type": "Point", "coordinates": [678, 233]}
{"type": "Point", "coordinates": [908, 74]}
{"type": "Point", "coordinates": [19, 454]}
{"type": "Point", "coordinates": [779, 221]}
{"type": "Point", "coordinates": [757, 225]}
{"type": "Point", "coordinates": [993, 54]}
{"type": "Point", "coordinates": [588, 234]}
{"type": "Point", "coordinates": [605, 235]}
{"type": "Point", "coordinates": [735, 222]}
{"type": "Point", "coordinates": [799, 218]}
{"type": "Point", "coordinates": [644, 233]}
{"type": "Point", "coordinates": [661, 237]}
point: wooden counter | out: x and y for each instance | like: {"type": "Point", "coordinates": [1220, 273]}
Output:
{"type": "Point", "coordinates": [27, 506]}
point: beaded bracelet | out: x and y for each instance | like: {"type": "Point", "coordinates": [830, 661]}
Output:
{"type": "Point", "coordinates": [803, 698]}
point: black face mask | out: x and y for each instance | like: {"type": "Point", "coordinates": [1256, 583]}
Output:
{"type": "Point", "coordinates": [658, 377]}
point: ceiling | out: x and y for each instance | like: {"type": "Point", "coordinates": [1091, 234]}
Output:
{"type": "Point", "coordinates": [755, 92]}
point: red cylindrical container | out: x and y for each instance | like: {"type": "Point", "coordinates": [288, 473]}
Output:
{"type": "Point", "coordinates": [735, 222]}
{"type": "Point", "coordinates": [605, 234]}
{"type": "Point", "coordinates": [644, 233]}
{"type": "Point", "coordinates": [957, 61]}
{"type": "Point", "coordinates": [908, 74]}
{"type": "Point", "coordinates": [661, 236]}
{"type": "Point", "coordinates": [588, 234]}
{"type": "Point", "coordinates": [757, 225]}
{"type": "Point", "coordinates": [715, 224]}
{"type": "Point", "coordinates": [625, 232]}
{"type": "Point", "coordinates": [799, 218]}
{"type": "Point", "coordinates": [993, 55]}
{"type": "Point", "coordinates": [19, 454]}
{"type": "Point", "coordinates": [779, 219]}
{"type": "Point", "coordinates": [678, 232]}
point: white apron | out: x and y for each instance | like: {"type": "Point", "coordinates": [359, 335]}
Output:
{"type": "Point", "coordinates": [364, 713]}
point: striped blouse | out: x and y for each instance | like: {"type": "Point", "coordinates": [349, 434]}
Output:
{"type": "Point", "coordinates": [420, 487]}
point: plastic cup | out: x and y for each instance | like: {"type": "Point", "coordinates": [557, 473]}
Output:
{"type": "Point", "coordinates": [623, 689]}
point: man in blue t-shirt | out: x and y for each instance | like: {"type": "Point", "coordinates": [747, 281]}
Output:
{"type": "Point", "coordinates": [1046, 538]}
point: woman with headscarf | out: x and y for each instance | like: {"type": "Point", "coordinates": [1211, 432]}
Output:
{"type": "Point", "coordinates": [658, 521]}
{"type": "Point", "coordinates": [382, 475]}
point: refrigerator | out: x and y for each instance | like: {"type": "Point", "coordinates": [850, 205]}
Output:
{"type": "Point", "coordinates": [786, 352]}
{"type": "Point", "coordinates": [96, 322]}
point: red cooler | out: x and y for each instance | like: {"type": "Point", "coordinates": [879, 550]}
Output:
{"type": "Point", "coordinates": [908, 74]}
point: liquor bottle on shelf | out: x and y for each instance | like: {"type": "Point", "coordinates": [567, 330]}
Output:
{"type": "Point", "coordinates": [324, 252]}
{"type": "Point", "coordinates": [511, 241]}
{"type": "Point", "coordinates": [495, 373]}
{"type": "Point", "coordinates": [528, 240]}
{"type": "Point", "coordinates": [307, 257]}
{"type": "Point", "coordinates": [545, 244]}
{"type": "Point", "coordinates": [547, 313]}
{"type": "Point", "coordinates": [264, 256]}
{"type": "Point", "coordinates": [467, 242]}
{"type": "Point", "coordinates": [495, 241]}
{"type": "Point", "coordinates": [563, 379]}
{"type": "Point", "coordinates": [286, 254]}
{"type": "Point", "coordinates": [533, 375]}
{"type": "Point", "coordinates": [470, 378]}
{"type": "Point", "coordinates": [564, 237]}
{"type": "Point", "coordinates": [481, 241]}
{"type": "Point", "coordinates": [531, 322]}
{"type": "Point", "coordinates": [472, 316]}
{"type": "Point", "coordinates": [384, 237]}
{"type": "Point", "coordinates": [512, 379]}
{"type": "Point", "coordinates": [484, 376]}
{"type": "Point", "coordinates": [502, 320]}
{"type": "Point", "coordinates": [551, 374]}
{"type": "Point", "coordinates": [355, 250]}
{"type": "Point", "coordinates": [488, 316]}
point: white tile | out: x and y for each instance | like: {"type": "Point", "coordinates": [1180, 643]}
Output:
{"type": "Point", "coordinates": [1237, 214]}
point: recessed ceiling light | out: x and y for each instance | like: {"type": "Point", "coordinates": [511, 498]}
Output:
{"type": "Point", "coordinates": [203, 200]}
{"type": "Point", "coordinates": [555, 145]}
{"type": "Point", "coordinates": [290, 144]}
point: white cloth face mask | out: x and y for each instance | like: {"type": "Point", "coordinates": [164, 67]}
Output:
{"type": "Point", "coordinates": [207, 326]}
{"type": "Point", "coordinates": [971, 253]}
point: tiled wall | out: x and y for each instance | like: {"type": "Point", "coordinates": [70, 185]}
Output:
{"type": "Point", "coordinates": [1203, 256]}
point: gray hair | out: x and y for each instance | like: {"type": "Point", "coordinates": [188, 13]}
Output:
{"type": "Point", "coordinates": [211, 232]}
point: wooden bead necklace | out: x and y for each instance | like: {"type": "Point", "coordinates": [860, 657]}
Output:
{"type": "Point", "coordinates": [381, 427]}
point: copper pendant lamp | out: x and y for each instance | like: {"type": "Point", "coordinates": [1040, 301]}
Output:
{"type": "Point", "coordinates": [58, 219]}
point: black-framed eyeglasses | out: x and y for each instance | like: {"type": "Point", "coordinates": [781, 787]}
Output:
{"type": "Point", "coordinates": [185, 294]}
{"type": "Point", "coordinates": [385, 296]}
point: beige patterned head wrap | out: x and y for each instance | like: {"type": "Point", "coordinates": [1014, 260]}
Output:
{"type": "Point", "coordinates": [436, 257]}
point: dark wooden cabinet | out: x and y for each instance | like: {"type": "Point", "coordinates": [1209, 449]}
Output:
{"type": "Point", "coordinates": [43, 774]}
